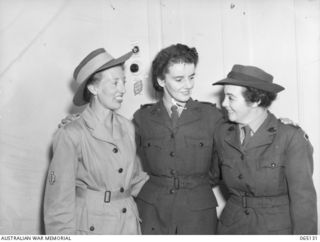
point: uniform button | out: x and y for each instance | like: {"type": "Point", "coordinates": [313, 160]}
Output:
{"type": "Point", "coordinates": [172, 191]}
{"type": "Point", "coordinates": [173, 172]}
{"type": "Point", "coordinates": [242, 157]}
{"type": "Point", "coordinates": [91, 228]}
{"type": "Point", "coordinates": [240, 176]}
{"type": "Point", "coordinates": [120, 170]}
{"type": "Point", "coordinates": [172, 154]}
{"type": "Point", "coordinates": [124, 210]}
{"type": "Point", "coordinates": [246, 212]}
{"type": "Point", "coordinates": [115, 150]}
{"type": "Point", "coordinates": [121, 189]}
{"type": "Point", "coordinates": [201, 144]}
{"type": "Point", "coordinates": [148, 144]}
{"type": "Point", "coordinates": [273, 165]}
{"type": "Point", "coordinates": [172, 136]}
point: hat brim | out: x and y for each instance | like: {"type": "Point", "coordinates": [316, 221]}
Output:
{"type": "Point", "coordinates": [78, 99]}
{"type": "Point", "coordinates": [269, 87]}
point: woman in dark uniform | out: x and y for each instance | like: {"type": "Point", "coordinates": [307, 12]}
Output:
{"type": "Point", "coordinates": [174, 139]}
{"type": "Point", "coordinates": [266, 165]}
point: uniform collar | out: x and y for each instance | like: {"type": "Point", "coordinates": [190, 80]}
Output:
{"type": "Point", "coordinates": [264, 135]}
{"type": "Point", "coordinates": [159, 113]}
{"type": "Point", "coordinates": [97, 128]}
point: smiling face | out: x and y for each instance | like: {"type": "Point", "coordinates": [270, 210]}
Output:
{"type": "Point", "coordinates": [239, 110]}
{"type": "Point", "coordinates": [109, 91]}
{"type": "Point", "coordinates": [178, 82]}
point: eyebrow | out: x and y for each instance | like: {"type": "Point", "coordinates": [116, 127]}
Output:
{"type": "Point", "coordinates": [193, 74]}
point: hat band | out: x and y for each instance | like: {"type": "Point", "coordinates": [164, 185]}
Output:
{"type": "Point", "coordinates": [92, 66]}
{"type": "Point", "coordinates": [244, 77]}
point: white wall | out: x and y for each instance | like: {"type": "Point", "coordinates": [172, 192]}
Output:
{"type": "Point", "coordinates": [41, 42]}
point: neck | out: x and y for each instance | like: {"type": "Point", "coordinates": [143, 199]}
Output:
{"type": "Point", "coordinates": [254, 115]}
{"type": "Point", "coordinates": [103, 114]}
{"type": "Point", "coordinates": [169, 99]}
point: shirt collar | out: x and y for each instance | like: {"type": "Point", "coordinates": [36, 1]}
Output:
{"type": "Point", "coordinates": [256, 123]}
{"type": "Point", "coordinates": [169, 103]}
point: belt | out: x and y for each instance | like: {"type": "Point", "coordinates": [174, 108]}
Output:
{"type": "Point", "coordinates": [260, 202]}
{"type": "Point", "coordinates": [102, 195]}
{"type": "Point", "coordinates": [180, 182]}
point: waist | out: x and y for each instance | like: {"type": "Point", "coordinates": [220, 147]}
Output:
{"type": "Point", "coordinates": [180, 182]}
{"type": "Point", "coordinates": [259, 202]}
{"type": "Point", "coordinates": [102, 196]}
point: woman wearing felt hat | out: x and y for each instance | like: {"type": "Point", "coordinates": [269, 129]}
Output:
{"type": "Point", "coordinates": [94, 171]}
{"type": "Point", "coordinates": [266, 165]}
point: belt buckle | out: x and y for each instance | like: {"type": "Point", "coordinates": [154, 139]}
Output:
{"type": "Point", "coordinates": [107, 196]}
{"type": "Point", "coordinates": [176, 183]}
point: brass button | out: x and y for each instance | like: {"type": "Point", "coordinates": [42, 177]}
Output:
{"type": "Point", "coordinates": [148, 144]}
{"type": "Point", "coordinates": [124, 210]}
{"type": "Point", "coordinates": [172, 172]}
{"type": "Point", "coordinates": [201, 144]}
{"type": "Point", "coordinates": [91, 228]}
{"type": "Point", "coordinates": [115, 150]}
{"type": "Point", "coordinates": [120, 170]}
{"type": "Point", "coordinates": [240, 176]}
{"type": "Point", "coordinates": [172, 154]}
{"type": "Point", "coordinates": [242, 157]}
{"type": "Point", "coordinates": [246, 212]}
{"type": "Point", "coordinates": [121, 189]}
{"type": "Point", "coordinates": [273, 165]}
{"type": "Point", "coordinates": [172, 191]}
{"type": "Point", "coordinates": [172, 136]}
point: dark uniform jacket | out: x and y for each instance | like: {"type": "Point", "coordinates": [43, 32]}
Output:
{"type": "Point", "coordinates": [178, 197]}
{"type": "Point", "coordinates": [270, 182]}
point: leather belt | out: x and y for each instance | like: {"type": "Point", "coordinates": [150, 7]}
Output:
{"type": "Point", "coordinates": [179, 182]}
{"type": "Point", "coordinates": [102, 195]}
{"type": "Point", "coordinates": [259, 202]}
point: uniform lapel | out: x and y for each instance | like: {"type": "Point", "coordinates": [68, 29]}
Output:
{"type": "Point", "coordinates": [232, 136]}
{"type": "Point", "coordinates": [98, 131]}
{"type": "Point", "coordinates": [191, 113]}
{"type": "Point", "coordinates": [265, 134]}
{"type": "Point", "coordinates": [159, 115]}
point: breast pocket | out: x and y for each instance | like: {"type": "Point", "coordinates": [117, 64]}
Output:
{"type": "Point", "coordinates": [153, 147]}
{"type": "Point", "coordinates": [199, 148]}
{"type": "Point", "coordinates": [271, 174]}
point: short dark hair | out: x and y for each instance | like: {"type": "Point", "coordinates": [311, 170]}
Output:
{"type": "Point", "coordinates": [173, 54]}
{"type": "Point", "coordinates": [252, 94]}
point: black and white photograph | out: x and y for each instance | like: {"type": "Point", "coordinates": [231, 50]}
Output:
{"type": "Point", "coordinates": [159, 117]}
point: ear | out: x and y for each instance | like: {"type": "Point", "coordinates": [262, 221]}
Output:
{"type": "Point", "coordinates": [92, 88]}
{"type": "Point", "coordinates": [255, 104]}
{"type": "Point", "coordinates": [161, 82]}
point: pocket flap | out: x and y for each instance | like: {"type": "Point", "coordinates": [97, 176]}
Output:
{"type": "Point", "coordinates": [153, 142]}
{"type": "Point", "coordinates": [271, 163]}
{"type": "Point", "coordinates": [199, 142]}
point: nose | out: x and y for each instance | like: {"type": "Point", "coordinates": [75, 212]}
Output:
{"type": "Point", "coordinates": [225, 102]}
{"type": "Point", "coordinates": [122, 87]}
{"type": "Point", "coordinates": [189, 83]}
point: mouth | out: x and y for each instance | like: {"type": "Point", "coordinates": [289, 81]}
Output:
{"type": "Point", "coordinates": [119, 98]}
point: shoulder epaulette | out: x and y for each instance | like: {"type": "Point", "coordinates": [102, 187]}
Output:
{"type": "Point", "coordinates": [208, 103]}
{"type": "Point", "coordinates": [146, 105]}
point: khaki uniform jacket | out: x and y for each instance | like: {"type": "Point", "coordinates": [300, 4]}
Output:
{"type": "Point", "coordinates": [270, 182]}
{"type": "Point", "coordinates": [178, 197]}
{"type": "Point", "coordinates": [91, 179]}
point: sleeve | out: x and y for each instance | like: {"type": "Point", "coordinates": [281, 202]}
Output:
{"type": "Point", "coordinates": [139, 177]}
{"type": "Point", "coordinates": [302, 194]}
{"type": "Point", "coordinates": [214, 173]}
{"type": "Point", "coordinates": [59, 199]}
